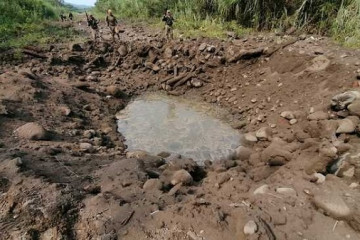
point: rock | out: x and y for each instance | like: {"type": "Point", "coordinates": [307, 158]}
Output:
{"type": "Point", "coordinates": [76, 47]}
{"type": "Point", "coordinates": [346, 126]}
{"type": "Point", "coordinates": [319, 63]}
{"type": "Point", "coordinates": [32, 131]}
{"type": "Point", "coordinates": [155, 68]}
{"type": "Point", "coordinates": [18, 161]}
{"type": "Point", "coordinates": [175, 189]}
{"type": "Point", "coordinates": [319, 115]}
{"type": "Point", "coordinates": [287, 191]}
{"type": "Point", "coordinates": [202, 47]}
{"type": "Point", "coordinates": [168, 53]}
{"type": "Point", "coordinates": [287, 115]}
{"type": "Point", "coordinates": [92, 78]}
{"type": "Point", "coordinates": [341, 101]}
{"type": "Point", "coordinates": [262, 189]}
{"type": "Point", "coordinates": [239, 124]}
{"type": "Point", "coordinates": [65, 110]}
{"type": "Point", "coordinates": [89, 133]}
{"type": "Point", "coordinates": [319, 178]}
{"type": "Point", "coordinates": [293, 121]}
{"type": "Point", "coordinates": [181, 176]}
{"type": "Point", "coordinates": [242, 153]}
{"type": "Point", "coordinates": [354, 108]}
{"type": "Point", "coordinates": [122, 50]}
{"type": "Point", "coordinates": [137, 154]}
{"type": "Point", "coordinates": [87, 147]}
{"type": "Point", "coordinates": [250, 228]}
{"type": "Point", "coordinates": [74, 59]}
{"type": "Point", "coordinates": [250, 137]}
{"type": "Point", "coordinates": [152, 184]}
{"type": "Point", "coordinates": [275, 154]}
{"type": "Point", "coordinates": [196, 83]}
{"type": "Point", "coordinates": [211, 49]}
{"type": "Point", "coordinates": [92, 189]}
{"type": "Point", "coordinates": [263, 133]}
{"type": "Point", "coordinates": [332, 204]}
{"type": "Point", "coordinates": [115, 91]}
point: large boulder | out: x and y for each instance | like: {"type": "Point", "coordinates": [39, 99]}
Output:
{"type": "Point", "coordinates": [341, 101]}
{"type": "Point", "coordinates": [347, 125]}
{"type": "Point", "coordinates": [32, 131]}
{"type": "Point", "coordinates": [319, 115]}
{"type": "Point", "coordinates": [354, 108]}
{"type": "Point", "coordinates": [181, 176]}
{"type": "Point", "coordinates": [122, 50]}
{"type": "Point", "coordinates": [332, 204]}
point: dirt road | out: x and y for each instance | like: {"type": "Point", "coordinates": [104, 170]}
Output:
{"type": "Point", "coordinates": [65, 172]}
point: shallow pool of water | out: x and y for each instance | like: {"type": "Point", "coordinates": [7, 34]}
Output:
{"type": "Point", "coordinates": [157, 123]}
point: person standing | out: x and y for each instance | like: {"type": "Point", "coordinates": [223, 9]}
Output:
{"type": "Point", "coordinates": [169, 21]}
{"type": "Point", "coordinates": [93, 24]}
{"type": "Point", "coordinates": [112, 24]}
{"type": "Point", "coordinates": [71, 16]}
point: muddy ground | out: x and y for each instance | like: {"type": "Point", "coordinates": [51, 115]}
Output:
{"type": "Point", "coordinates": [65, 172]}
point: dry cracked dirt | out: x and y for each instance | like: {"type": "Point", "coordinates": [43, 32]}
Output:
{"type": "Point", "coordinates": [65, 172]}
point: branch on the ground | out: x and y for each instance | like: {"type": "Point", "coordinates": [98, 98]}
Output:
{"type": "Point", "coordinates": [33, 54]}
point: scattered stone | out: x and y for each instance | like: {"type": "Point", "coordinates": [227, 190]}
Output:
{"type": "Point", "coordinates": [293, 121]}
{"type": "Point", "coordinates": [341, 101]}
{"type": "Point", "coordinates": [354, 185]}
{"type": "Point", "coordinates": [65, 110]}
{"type": "Point", "coordinates": [354, 108]}
{"type": "Point", "coordinates": [18, 161]}
{"type": "Point", "coordinates": [275, 154]}
{"type": "Point", "coordinates": [254, 100]}
{"type": "Point", "coordinates": [196, 83]}
{"type": "Point", "coordinates": [319, 115]}
{"type": "Point", "coordinates": [239, 124]}
{"type": "Point", "coordinates": [137, 154]}
{"type": "Point", "coordinates": [202, 47]}
{"type": "Point", "coordinates": [262, 190]}
{"type": "Point", "coordinates": [152, 184]}
{"type": "Point", "coordinates": [332, 204]}
{"type": "Point", "coordinates": [87, 147]}
{"type": "Point", "coordinates": [89, 133]}
{"type": "Point", "coordinates": [122, 50]}
{"type": "Point", "coordinates": [250, 228]}
{"type": "Point", "coordinates": [32, 131]}
{"type": "Point", "coordinates": [250, 137]}
{"type": "Point", "coordinates": [319, 178]}
{"type": "Point", "coordinates": [181, 176]}
{"type": "Point", "coordinates": [175, 189]}
{"type": "Point", "coordinates": [346, 126]}
{"type": "Point", "coordinates": [319, 63]}
{"type": "Point", "coordinates": [263, 133]}
{"type": "Point", "coordinates": [287, 115]}
{"type": "Point", "coordinates": [287, 191]}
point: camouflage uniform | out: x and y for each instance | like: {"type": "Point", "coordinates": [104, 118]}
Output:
{"type": "Point", "coordinates": [169, 20]}
{"type": "Point", "coordinates": [112, 22]}
{"type": "Point", "coordinates": [93, 23]}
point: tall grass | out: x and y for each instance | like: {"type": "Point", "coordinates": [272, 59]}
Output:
{"type": "Point", "coordinates": [24, 22]}
{"type": "Point", "coordinates": [339, 18]}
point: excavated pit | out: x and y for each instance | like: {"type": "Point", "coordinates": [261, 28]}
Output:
{"type": "Point", "coordinates": [159, 123]}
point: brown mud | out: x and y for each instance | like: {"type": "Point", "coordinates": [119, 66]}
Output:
{"type": "Point", "coordinates": [65, 172]}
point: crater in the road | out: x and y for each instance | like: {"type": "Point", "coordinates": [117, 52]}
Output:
{"type": "Point", "coordinates": [157, 123]}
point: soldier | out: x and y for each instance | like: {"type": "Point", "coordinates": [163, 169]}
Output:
{"type": "Point", "coordinates": [71, 16]}
{"type": "Point", "coordinates": [169, 21]}
{"type": "Point", "coordinates": [112, 24]}
{"type": "Point", "coordinates": [62, 17]}
{"type": "Point", "coordinates": [93, 24]}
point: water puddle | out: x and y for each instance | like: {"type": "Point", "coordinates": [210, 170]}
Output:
{"type": "Point", "coordinates": [157, 123]}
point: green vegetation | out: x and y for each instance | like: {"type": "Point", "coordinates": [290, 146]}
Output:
{"type": "Point", "coordinates": [25, 22]}
{"type": "Point", "coordinates": [337, 18]}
